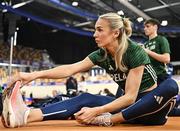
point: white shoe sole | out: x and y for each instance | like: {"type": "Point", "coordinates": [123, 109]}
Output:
{"type": "Point", "coordinates": [8, 115]}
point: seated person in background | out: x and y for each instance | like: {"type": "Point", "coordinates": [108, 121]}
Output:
{"type": "Point", "coordinates": [71, 86]}
{"type": "Point", "coordinates": [108, 93]}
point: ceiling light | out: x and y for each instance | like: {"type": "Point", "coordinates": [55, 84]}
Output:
{"type": "Point", "coordinates": [17, 5]}
{"type": "Point", "coordinates": [74, 3]}
{"type": "Point", "coordinates": [140, 19]}
{"type": "Point", "coordinates": [21, 4]}
{"type": "Point", "coordinates": [164, 23]}
{"type": "Point", "coordinates": [3, 3]}
{"type": "Point", "coordinates": [54, 30]}
{"type": "Point", "coordinates": [120, 12]}
{"type": "Point", "coordinates": [28, 19]}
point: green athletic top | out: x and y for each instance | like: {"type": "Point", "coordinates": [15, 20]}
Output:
{"type": "Point", "coordinates": [159, 45]}
{"type": "Point", "coordinates": [135, 56]}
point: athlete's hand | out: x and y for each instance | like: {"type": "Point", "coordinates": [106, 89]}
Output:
{"type": "Point", "coordinates": [86, 115]}
{"type": "Point", "coordinates": [146, 50]}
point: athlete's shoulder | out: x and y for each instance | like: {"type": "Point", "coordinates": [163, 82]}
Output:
{"type": "Point", "coordinates": [133, 46]}
{"type": "Point", "coordinates": [96, 55]}
{"type": "Point", "coordinates": [162, 40]}
{"type": "Point", "coordinates": [99, 51]}
{"type": "Point", "coordinates": [134, 50]}
{"type": "Point", "coordinates": [161, 37]}
{"type": "Point", "coordinates": [131, 42]}
{"type": "Point", "coordinates": [135, 55]}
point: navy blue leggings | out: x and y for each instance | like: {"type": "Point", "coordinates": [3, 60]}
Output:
{"type": "Point", "coordinates": [154, 105]}
{"type": "Point", "coordinates": [65, 109]}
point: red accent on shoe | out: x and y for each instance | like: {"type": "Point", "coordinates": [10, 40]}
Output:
{"type": "Point", "coordinates": [14, 94]}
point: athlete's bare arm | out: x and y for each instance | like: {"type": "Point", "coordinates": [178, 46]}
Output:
{"type": "Point", "coordinates": [54, 73]}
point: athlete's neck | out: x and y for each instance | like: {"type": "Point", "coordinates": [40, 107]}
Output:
{"type": "Point", "coordinates": [112, 48]}
{"type": "Point", "coordinates": [152, 36]}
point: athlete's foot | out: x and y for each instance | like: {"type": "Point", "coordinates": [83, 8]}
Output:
{"type": "Point", "coordinates": [15, 112]}
{"type": "Point", "coordinates": [102, 120]}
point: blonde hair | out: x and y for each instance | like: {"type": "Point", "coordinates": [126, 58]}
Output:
{"type": "Point", "coordinates": [124, 26]}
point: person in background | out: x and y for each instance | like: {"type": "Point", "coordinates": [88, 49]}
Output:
{"type": "Point", "coordinates": [157, 47]}
{"type": "Point", "coordinates": [127, 63]}
{"type": "Point", "coordinates": [71, 86]}
{"type": "Point", "coordinates": [108, 93]}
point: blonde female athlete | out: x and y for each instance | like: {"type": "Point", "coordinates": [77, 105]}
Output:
{"type": "Point", "coordinates": [143, 101]}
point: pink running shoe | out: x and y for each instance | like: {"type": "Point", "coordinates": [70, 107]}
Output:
{"type": "Point", "coordinates": [15, 112]}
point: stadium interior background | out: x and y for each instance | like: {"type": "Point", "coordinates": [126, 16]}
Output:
{"type": "Point", "coordinates": [55, 32]}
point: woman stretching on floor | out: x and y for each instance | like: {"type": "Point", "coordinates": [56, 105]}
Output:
{"type": "Point", "coordinates": [143, 101]}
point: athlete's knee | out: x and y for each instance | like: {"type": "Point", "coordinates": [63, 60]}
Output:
{"type": "Point", "coordinates": [175, 85]}
{"type": "Point", "coordinates": [171, 85]}
{"type": "Point", "coordinates": [87, 96]}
